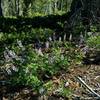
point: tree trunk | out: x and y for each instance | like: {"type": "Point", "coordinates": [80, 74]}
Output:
{"type": "Point", "coordinates": [0, 9]}
{"type": "Point", "coordinates": [89, 10]}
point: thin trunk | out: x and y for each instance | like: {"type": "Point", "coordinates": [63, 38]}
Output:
{"type": "Point", "coordinates": [50, 8]}
{"type": "Point", "coordinates": [18, 9]}
{"type": "Point", "coordinates": [62, 5]}
{"type": "Point", "coordinates": [0, 9]}
{"type": "Point", "coordinates": [55, 7]}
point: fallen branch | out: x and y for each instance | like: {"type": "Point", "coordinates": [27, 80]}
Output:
{"type": "Point", "coordinates": [88, 87]}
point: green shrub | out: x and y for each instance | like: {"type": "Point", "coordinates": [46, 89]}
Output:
{"type": "Point", "coordinates": [36, 66]}
{"type": "Point", "coordinates": [94, 42]}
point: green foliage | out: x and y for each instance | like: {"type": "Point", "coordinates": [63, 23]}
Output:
{"type": "Point", "coordinates": [40, 33]}
{"type": "Point", "coordinates": [23, 24]}
{"type": "Point", "coordinates": [37, 33]}
{"type": "Point", "coordinates": [64, 91]}
{"type": "Point", "coordinates": [35, 66]}
{"type": "Point", "coordinates": [94, 42]}
{"type": "Point", "coordinates": [93, 28]}
{"type": "Point", "coordinates": [29, 8]}
{"type": "Point", "coordinates": [80, 28]}
{"type": "Point", "coordinates": [49, 86]}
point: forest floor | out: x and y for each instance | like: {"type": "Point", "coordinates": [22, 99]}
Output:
{"type": "Point", "coordinates": [90, 74]}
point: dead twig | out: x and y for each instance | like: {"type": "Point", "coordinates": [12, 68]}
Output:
{"type": "Point", "coordinates": [88, 87]}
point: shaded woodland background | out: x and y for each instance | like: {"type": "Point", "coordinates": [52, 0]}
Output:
{"type": "Point", "coordinates": [31, 14]}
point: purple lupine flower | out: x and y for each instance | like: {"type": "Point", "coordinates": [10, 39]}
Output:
{"type": "Point", "coordinates": [50, 39]}
{"type": "Point", "coordinates": [9, 71]}
{"type": "Point", "coordinates": [6, 56]}
{"type": "Point", "coordinates": [47, 44]}
{"type": "Point", "coordinates": [64, 37]}
{"type": "Point", "coordinates": [20, 44]}
{"type": "Point", "coordinates": [59, 39]}
{"type": "Point", "coordinates": [39, 51]}
{"type": "Point", "coordinates": [81, 39]}
{"type": "Point", "coordinates": [14, 68]}
{"type": "Point", "coordinates": [54, 37]}
{"type": "Point", "coordinates": [70, 37]}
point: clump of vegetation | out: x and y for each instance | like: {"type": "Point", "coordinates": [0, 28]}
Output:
{"type": "Point", "coordinates": [35, 70]}
{"type": "Point", "coordinates": [94, 42]}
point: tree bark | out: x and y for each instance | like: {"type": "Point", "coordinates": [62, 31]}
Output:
{"type": "Point", "coordinates": [0, 9]}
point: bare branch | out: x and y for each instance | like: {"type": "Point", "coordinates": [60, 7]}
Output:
{"type": "Point", "coordinates": [88, 87]}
